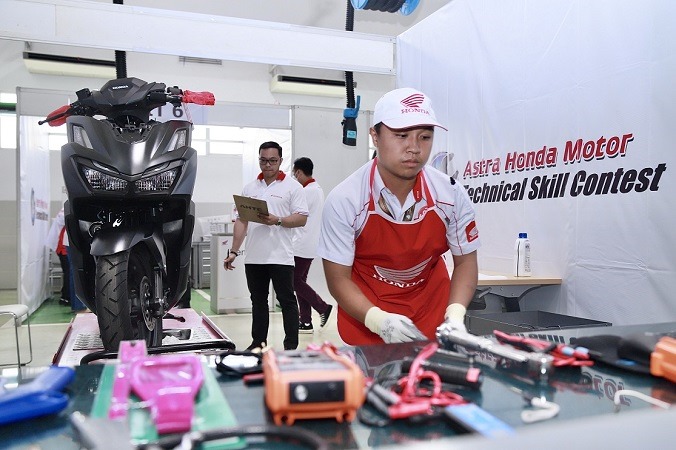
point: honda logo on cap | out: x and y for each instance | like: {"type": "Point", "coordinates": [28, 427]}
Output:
{"type": "Point", "coordinates": [413, 101]}
{"type": "Point", "coordinates": [413, 104]}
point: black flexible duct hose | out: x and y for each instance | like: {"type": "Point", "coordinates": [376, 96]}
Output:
{"type": "Point", "coordinates": [349, 122]}
{"type": "Point", "coordinates": [394, 5]}
{"type": "Point", "coordinates": [375, 5]}
{"type": "Point", "coordinates": [120, 64]}
{"type": "Point", "coordinates": [384, 5]}
{"type": "Point", "coordinates": [350, 113]}
{"type": "Point", "coordinates": [120, 56]}
{"type": "Point", "coordinates": [349, 78]}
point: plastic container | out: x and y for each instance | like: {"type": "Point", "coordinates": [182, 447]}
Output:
{"type": "Point", "coordinates": [522, 266]}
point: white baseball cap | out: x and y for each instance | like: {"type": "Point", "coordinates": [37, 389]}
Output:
{"type": "Point", "coordinates": [405, 108]}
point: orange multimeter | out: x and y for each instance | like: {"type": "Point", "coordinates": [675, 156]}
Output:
{"type": "Point", "coordinates": [311, 384]}
{"type": "Point", "coordinates": [663, 359]}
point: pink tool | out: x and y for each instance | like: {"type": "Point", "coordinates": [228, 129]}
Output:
{"type": "Point", "coordinates": [167, 383]}
{"type": "Point", "coordinates": [129, 351]}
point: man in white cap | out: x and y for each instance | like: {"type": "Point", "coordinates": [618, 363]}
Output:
{"type": "Point", "coordinates": [386, 227]}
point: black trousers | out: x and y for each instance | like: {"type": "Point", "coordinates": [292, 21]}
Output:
{"type": "Point", "coordinates": [65, 270]}
{"type": "Point", "coordinates": [258, 278]}
{"type": "Point", "coordinates": [307, 297]}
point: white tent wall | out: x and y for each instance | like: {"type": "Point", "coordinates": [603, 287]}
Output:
{"type": "Point", "coordinates": [512, 77]}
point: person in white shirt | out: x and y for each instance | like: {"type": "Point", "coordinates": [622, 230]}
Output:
{"type": "Point", "coordinates": [305, 248]}
{"type": "Point", "coordinates": [269, 246]}
{"type": "Point", "coordinates": [386, 227]}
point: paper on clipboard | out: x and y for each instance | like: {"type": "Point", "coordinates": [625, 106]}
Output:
{"type": "Point", "coordinates": [248, 208]}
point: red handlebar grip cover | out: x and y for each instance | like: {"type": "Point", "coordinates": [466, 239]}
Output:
{"type": "Point", "coordinates": [199, 98]}
{"type": "Point", "coordinates": [59, 115]}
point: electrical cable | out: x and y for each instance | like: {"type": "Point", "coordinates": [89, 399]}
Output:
{"type": "Point", "coordinates": [542, 410]}
{"type": "Point", "coordinates": [189, 440]}
{"type": "Point", "coordinates": [639, 395]}
{"type": "Point", "coordinates": [416, 396]}
{"type": "Point", "coordinates": [413, 393]}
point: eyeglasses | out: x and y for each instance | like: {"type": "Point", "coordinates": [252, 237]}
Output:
{"type": "Point", "coordinates": [265, 162]}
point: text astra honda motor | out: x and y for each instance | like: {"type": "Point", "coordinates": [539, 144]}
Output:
{"type": "Point", "coordinates": [129, 213]}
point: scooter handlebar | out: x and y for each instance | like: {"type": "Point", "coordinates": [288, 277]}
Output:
{"type": "Point", "coordinates": [57, 117]}
{"type": "Point", "coordinates": [85, 107]}
{"type": "Point", "coordinates": [177, 96]}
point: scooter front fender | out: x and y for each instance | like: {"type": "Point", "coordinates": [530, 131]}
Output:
{"type": "Point", "coordinates": [111, 241]}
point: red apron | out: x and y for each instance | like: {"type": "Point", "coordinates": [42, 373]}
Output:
{"type": "Point", "coordinates": [398, 267]}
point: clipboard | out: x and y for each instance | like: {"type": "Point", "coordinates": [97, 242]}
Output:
{"type": "Point", "coordinates": [248, 208]}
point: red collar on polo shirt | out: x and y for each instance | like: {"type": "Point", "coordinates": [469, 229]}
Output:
{"type": "Point", "coordinates": [280, 176]}
{"type": "Point", "coordinates": [418, 187]}
{"type": "Point", "coordinates": [311, 180]}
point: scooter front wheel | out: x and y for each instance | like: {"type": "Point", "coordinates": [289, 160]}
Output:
{"type": "Point", "coordinates": [124, 288]}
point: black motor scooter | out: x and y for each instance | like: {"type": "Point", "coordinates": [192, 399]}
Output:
{"type": "Point", "coordinates": [129, 214]}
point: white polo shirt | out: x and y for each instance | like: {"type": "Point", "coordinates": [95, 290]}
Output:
{"type": "Point", "coordinates": [306, 238]}
{"type": "Point", "coordinates": [272, 244]}
{"type": "Point", "coordinates": [346, 208]}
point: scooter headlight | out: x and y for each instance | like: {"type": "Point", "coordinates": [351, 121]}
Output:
{"type": "Point", "coordinates": [160, 182]}
{"type": "Point", "coordinates": [100, 181]}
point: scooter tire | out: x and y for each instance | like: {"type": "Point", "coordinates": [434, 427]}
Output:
{"type": "Point", "coordinates": [114, 278]}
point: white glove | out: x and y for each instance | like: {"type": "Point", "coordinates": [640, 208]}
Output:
{"type": "Point", "coordinates": [455, 316]}
{"type": "Point", "coordinates": [392, 327]}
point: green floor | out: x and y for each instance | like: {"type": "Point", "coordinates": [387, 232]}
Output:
{"type": "Point", "coordinates": [52, 312]}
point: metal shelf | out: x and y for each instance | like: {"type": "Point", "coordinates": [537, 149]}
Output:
{"type": "Point", "coordinates": [200, 265]}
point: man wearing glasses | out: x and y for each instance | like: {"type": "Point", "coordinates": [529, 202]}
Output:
{"type": "Point", "coordinates": [269, 246]}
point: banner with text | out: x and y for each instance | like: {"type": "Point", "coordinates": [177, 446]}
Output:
{"type": "Point", "coordinates": [561, 124]}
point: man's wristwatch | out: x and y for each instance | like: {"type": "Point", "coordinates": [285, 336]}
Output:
{"type": "Point", "coordinates": [279, 222]}
{"type": "Point", "coordinates": [231, 251]}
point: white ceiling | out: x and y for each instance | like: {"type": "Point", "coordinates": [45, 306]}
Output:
{"type": "Point", "coordinates": [324, 14]}
{"type": "Point", "coordinates": [236, 81]}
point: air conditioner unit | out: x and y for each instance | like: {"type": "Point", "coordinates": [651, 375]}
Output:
{"type": "Point", "coordinates": [69, 66]}
{"type": "Point", "coordinates": [287, 84]}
